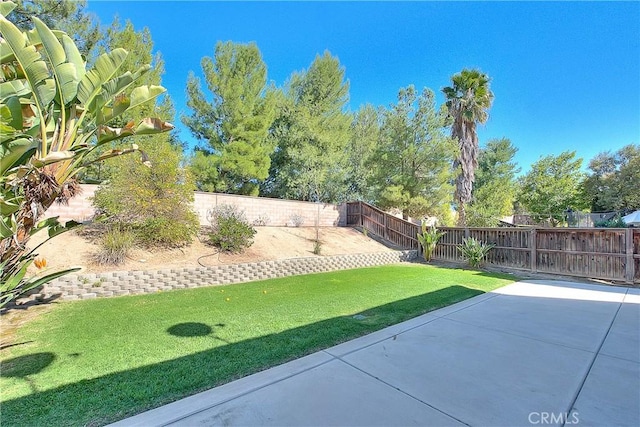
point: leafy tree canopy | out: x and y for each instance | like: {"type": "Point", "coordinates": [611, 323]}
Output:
{"type": "Point", "coordinates": [552, 186]}
{"type": "Point", "coordinates": [312, 132]}
{"type": "Point", "coordinates": [361, 150]}
{"type": "Point", "coordinates": [414, 156]}
{"type": "Point", "coordinates": [234, 156]}
{"type": "Point", "coordinates": [495, 185]}
{"type": "Point", "coordinates": [614, 181]}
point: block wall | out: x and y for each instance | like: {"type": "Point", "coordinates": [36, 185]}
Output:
{"type": "Point", "coordinates": [88, 286]}
{"type": "Point", "coordinates": [259, 210]}
{"type": "Point", "coordinates": [274, 212]}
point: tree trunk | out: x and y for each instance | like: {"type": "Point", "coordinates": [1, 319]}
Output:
{"type": "Point", "coordinates": [462, 215]}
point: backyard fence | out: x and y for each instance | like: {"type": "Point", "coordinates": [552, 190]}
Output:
{"type": "Point", "coordinates": [599, 253]}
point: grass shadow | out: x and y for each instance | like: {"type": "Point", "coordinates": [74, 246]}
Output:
{"type": "Point", "coordinates": [190, 329]}
{"type": "Point", "coordinates": [24, 366]}
{"type": "Point", "coordinates": [115, 396]}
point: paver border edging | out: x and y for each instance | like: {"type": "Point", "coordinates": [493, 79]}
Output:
{"type": "Point", "coordinates": [119, 283]}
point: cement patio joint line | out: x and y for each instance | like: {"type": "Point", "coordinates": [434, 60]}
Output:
{"type": "Point", "coordinates": [326, 350]}
{"type": "Point", "coordinates": [593, 360]}
{"type": "Point", "coordinates": [403, 392]}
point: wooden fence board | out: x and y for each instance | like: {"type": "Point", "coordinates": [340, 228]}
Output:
{"type": "Point", "coordinates": [599, 253]}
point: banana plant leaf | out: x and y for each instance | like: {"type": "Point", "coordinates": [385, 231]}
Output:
{"type": "Point", "coordinates": [64, 69]}
{"type": "Point", "coordinates": [35, 68]}
{"type": "Point", "coordinates": [6, 7]}
{"type": "Point", "coordinates": [13, 150]}
{"type": "Point", "coordinates": [105, 68]}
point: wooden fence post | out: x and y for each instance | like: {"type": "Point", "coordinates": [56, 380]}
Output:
{"type": "Point", "coordinates": [361, 214]}
{"type": "Point", "coordinates": [386, 226]}
{"type": "Point", "coordinates": [629, 263]}
{"type": "Point", "coordinates": [533, 246]}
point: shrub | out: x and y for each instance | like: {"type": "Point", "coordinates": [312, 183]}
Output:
{"type": "Point", "coordinates": [296, 219]}
{"type": "Point", "coordinates": [261, 221]}
{"type": "Point", "coordinates": [317, 247]}
{"type": "Point", "coordinates": [615, 222]}
{"type": "Point", "coordinates": [154, 201]}
{"type": "Point", "coordinates": [474, 251]}
{"type": "Point", "coordinates": [167, 231]}
{"type": "Point", "coordinates": [115, 246]}
{"type": "Point", "coordinates": [429, 239]}
{"type": "Point", "coordinates": [232, 232]}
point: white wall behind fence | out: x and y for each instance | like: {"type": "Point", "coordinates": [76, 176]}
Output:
{"type": "Point", "coordinates": [259, 210]}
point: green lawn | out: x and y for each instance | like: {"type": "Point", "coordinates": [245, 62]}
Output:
{"type": "Point", "coordinates": [94, 362]}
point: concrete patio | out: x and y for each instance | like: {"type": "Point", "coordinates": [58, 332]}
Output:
{"type": "Point", "coordinates": [531, 353]}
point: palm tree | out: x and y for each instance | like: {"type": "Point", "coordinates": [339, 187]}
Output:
{"type": "Point", "coordinates": [468, 100]}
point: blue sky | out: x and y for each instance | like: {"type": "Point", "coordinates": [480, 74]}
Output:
{"type": "Point", "coordinates": [566, 76]}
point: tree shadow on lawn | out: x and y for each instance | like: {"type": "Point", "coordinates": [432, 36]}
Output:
{"type": "Point", "coordinates": [119, 395]}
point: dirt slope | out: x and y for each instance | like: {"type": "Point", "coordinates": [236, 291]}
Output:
{"type": "Point", "coordinates": [270, 243]}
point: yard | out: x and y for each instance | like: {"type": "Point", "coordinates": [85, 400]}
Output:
{"type": "Point", "coordinates": [94, 362]}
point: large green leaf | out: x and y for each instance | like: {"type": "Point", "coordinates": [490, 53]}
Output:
{"type": "Point", "coordinates": [105, 68]}
{"type": "Point", "coordinates": [64, 71]}
{"type": "Point", "coordinates": [8, 226]}
{"type": "Point", "coordinates": [8, 206]}
{"type": "Point", "coordinates": [11, 113]}
{"type": "Point", "coordinates": [108, 96]}
{"type": "Point", "coordinates": [144, 94]}
{"type": "Point", "coordinates": [14, 88]}
{"type": "Point", "coordinates": [34, 282]}
{"type": "Point", "coordinates": [35, 68]}
{"type": "Point", "coordinates": [13, 150]}
{"type": "Point", "coordinates": [73, 56]}
{"type": "Point", "coordinates": [53, 226]}
{"type": "Point", "coordinates": [6, 7]}
{"type": "Point", "coordinates": [112, 102]}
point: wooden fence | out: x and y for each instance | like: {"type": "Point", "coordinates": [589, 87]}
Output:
{"type": "Point", "coordinates": [599, 253]}
{"type": "Point", "coordinates": [396, 230]}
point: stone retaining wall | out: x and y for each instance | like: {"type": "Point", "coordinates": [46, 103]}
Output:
{"type": "Point", "coordinates": [87, 286]}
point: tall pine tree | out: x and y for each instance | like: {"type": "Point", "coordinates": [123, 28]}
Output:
{"type": "Point", "coordinates": [414, 157]}
{"type": "Point", "coordinates": [233, 127]}
{"type": "Point", "coordinates": [312, 131]}
{"type": "Point", "coordinates": [494, 189]}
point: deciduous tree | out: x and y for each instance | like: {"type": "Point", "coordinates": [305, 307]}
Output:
{"type": "Point", "coordinates": [552, 186]}
{"type": "Point", "coordinates": [614, 181]}
{"type": "Point", "coordinates": [361, 153]}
